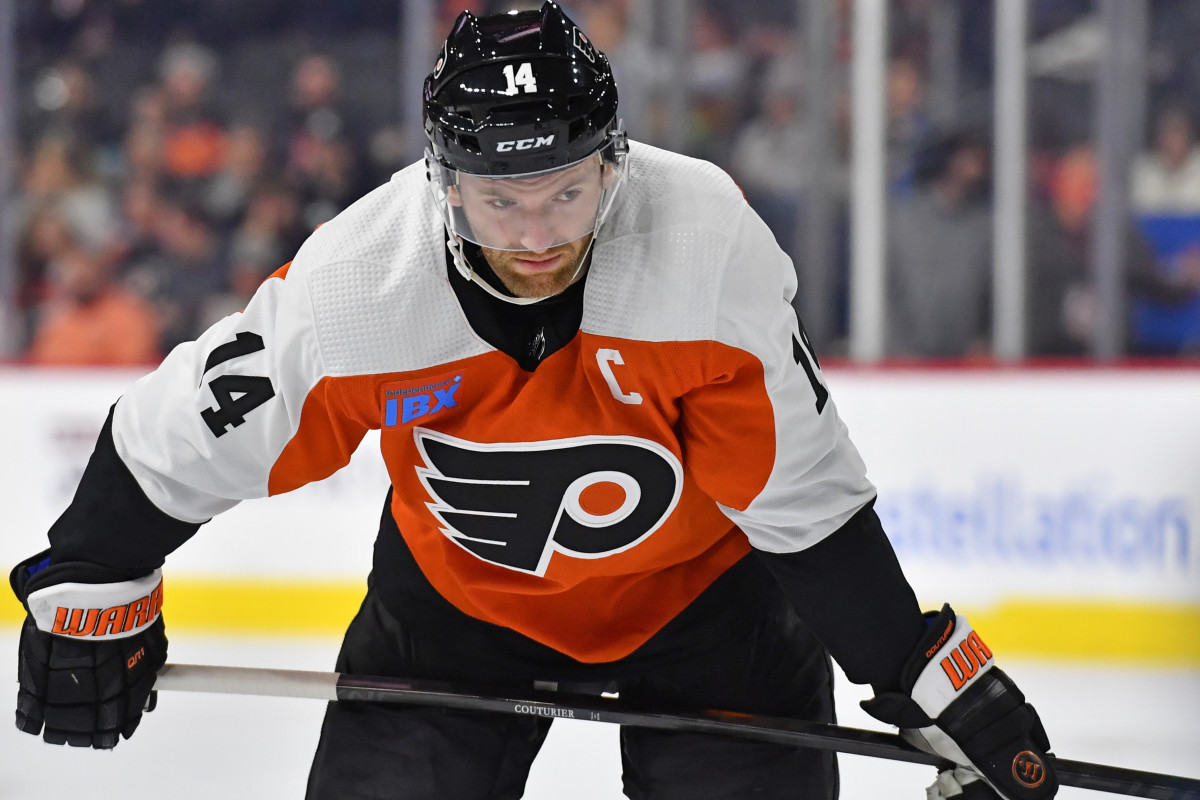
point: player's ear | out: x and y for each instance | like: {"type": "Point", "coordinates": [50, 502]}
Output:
{"type": "Point", "coordinates": [453, 197]}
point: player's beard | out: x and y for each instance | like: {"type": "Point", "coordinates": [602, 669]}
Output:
{"type": "Point", "coordinates": [523, 280]}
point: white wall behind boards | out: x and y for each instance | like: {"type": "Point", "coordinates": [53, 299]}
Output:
{"type": "Point", "coordinates": [1050, 483]}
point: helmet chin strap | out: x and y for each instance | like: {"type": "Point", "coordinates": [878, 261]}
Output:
{"type": "Point", "coordinates": [454, 244]}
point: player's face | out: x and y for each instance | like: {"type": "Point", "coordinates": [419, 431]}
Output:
{"type": "Point", "coordinates": [533, 213]}
{"type": "Point", "coordinates": [533, 231]}
{"type": "Point", "coordinates": [538, 273]}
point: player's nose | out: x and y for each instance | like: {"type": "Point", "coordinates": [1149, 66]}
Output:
{"type": "Point", "coordinates": [536, 234]}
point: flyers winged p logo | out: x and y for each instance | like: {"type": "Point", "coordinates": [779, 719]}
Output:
{"type": "Point", "coordinates": [515, 504]}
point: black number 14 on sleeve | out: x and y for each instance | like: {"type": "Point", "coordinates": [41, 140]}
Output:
{"type": "Point", "coordinates": [236, 395]}
{"type": "Point", "coordinates": [806, 357]}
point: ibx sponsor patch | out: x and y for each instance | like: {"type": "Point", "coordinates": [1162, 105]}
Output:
{"type": "Point", "coordinates": [405, 401]}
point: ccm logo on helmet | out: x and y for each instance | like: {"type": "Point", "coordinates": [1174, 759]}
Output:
{"type": "Point", "coordinates": [525, 144]}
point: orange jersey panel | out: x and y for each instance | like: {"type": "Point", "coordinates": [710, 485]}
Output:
{"type": "Point", "coordinates": [595, 602]}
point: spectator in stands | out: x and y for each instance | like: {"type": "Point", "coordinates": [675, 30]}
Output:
{"type": "Point", "coordinates": [1167, 178]}
{"type": "Point", "coordinates": [717, 70]}
{"type": "Point", "coordinates": [1165, 198]}
{"type": "Point", "coordinates": [769, 161]}
{"type": "Point", "coordinates": [322, 141]}
{"type": "Point", "coordinates": [1061, 300]}
{"type": "Point", "coordinates": [254, 254]}
{"type": "Point", "coordinates": [939, 254]}
{"type": "Point", "coordinates": [186, 267]}
{"type": "Point", "coordinates": [331, 181]}
{"type": "Point", "coordinates": [44, 238]}
{"type": "Point", "coordinates": [908, 120]}
{"type": "Point", "coordinates": [274, 213]}
{"type": "Point", "coordinates": [144, 145]}
{"type": "Point", "coordinates": [316, 109]}
{"type": "Point", "coordinates": [194, 139]}
{"type": "Point", "coordinates": [267, 237]}
{"type": "Point", "coordinates": [136, 241]}
{"type": "Point", "coordinates": [60, 174]}
{"type": "Point", "coordinates": [316, 112]}
{"type": "Point", "coordinates": [228, 191]}
{"type": "Point", "coordinates": [609, 27]}
{"type": "Point", "coordinates": [90, 320]}
{"type": "Point", "coordinates": [61, 202]}
{"type": "Point", "coordinates": [65, 106]}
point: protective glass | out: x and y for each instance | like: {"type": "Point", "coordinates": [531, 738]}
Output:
{"type": "Point", "coordinates": [531, 211]}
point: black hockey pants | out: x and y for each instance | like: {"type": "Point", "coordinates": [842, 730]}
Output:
{"type": "Point", "coordinates": [400, 752]}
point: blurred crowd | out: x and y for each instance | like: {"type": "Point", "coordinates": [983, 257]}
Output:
{"type": "Point", "coordinates": [173, 155]}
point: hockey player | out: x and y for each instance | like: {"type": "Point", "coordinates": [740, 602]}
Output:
{"type": "Point", "coordinates": [614, 465]}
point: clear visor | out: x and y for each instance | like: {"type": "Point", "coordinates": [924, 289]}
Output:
{"type": "Point", "coordinates": [532, 211]}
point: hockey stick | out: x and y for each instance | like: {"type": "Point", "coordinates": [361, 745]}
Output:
{"type": "Point", "coordinates": [335, 686]}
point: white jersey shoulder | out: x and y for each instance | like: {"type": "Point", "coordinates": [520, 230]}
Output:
{"type": "Point", "coordinates": [366, 294]}
{"type": "Point", "coordinates": [376, 274]}
{"type": "Point", "coordinates": [681, 237]}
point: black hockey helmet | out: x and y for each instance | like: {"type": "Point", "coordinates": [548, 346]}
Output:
{"type": "Point", "coordinates": [519, 93]}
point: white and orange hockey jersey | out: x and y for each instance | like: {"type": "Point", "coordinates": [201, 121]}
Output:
{"type": "Point", "coordinates": [684, 424]}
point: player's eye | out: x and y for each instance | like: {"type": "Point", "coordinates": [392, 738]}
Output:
{"type": "Point", "coordinates": [500, 203]}
{"type": "Point", "coordinates": [568, 195]}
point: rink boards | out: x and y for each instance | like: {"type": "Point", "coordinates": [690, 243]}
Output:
{"type": "Point", "coordinates": [1057, 508]}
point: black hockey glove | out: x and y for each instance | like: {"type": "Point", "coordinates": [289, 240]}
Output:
{"type": "Point", "coordinates": [956, 703]}
{"type": "Point", "coordinates": [90, 647]}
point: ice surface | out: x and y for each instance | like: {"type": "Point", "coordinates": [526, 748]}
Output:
{"type": "Point", "coordinates": [196, 747]}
